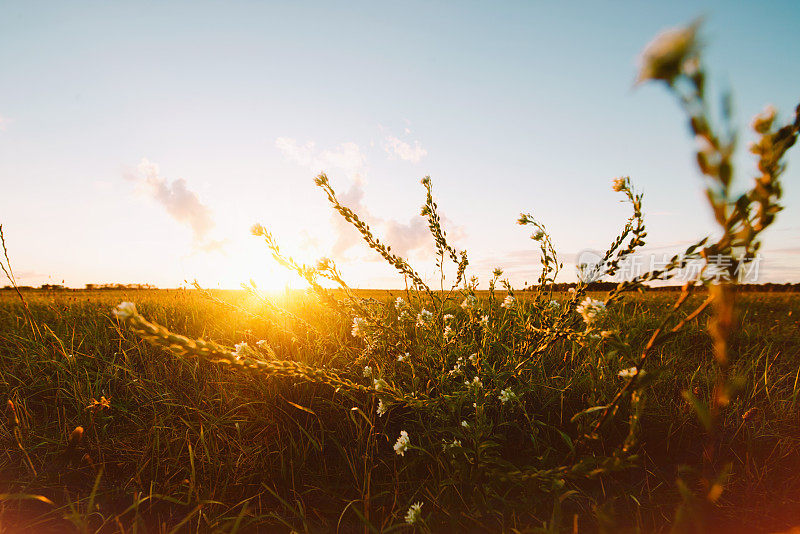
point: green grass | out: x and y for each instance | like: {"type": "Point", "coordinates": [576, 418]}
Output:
{"type": "Point", "coordinates": [205, 447]}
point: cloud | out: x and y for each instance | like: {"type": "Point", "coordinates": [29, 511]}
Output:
{"type": "Point", "coordinates": [181, 203]}
{"type": "Point", "coordinates": [346, 156]}
{"type": "Point", "coordinates": [396, 147]}
{"type": "Point", "coordinates": [405, 238]}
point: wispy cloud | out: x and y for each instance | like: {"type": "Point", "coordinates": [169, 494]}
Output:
{"type": "Point", "coordinates": [396, 147]}
{"type": "Point", "coordinates": [346, 156]}
{"type": "Point", "coordinates": [405, 237]}
{"type": "Point", "coordinates": [181, 203]}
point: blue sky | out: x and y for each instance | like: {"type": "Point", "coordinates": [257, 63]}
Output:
{"type": "Point", "coordinates": [509, 106]}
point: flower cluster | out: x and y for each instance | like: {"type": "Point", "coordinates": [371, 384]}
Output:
{"type": "Point", "coordinates": [381, 408]}
{"type": "Point", "coordinates": [507, 395]}
{"type": "Point", "coordinates": [628, 373]}
{"type": "Point", "coordinates": [424, 318]}
{"type": "Point", "coordinates": [591, 310]}
{"type": "Point", "coordinates": [476, 384]}
{"type": "Point", "coordinates": [414, 513]}
{"type": "Point", "coordinates": [402, 443]}
{"type": "Point", "coordinates": [509, 302]}
{"type": "Point", "coordinates": [358, 327]}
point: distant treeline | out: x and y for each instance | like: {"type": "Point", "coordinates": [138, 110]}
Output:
{"type": "Point", "coordinates": [596, 286]}
{"type": "Point", "coordinates": [90, 287]}
{"type": "Point", "coordinates": [608, 286]}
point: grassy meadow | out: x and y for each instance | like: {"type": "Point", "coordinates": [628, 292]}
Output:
{"type": "Point", "coordinates": [188, 445]}
{"type": "Point", "coordinates": [428, 410]}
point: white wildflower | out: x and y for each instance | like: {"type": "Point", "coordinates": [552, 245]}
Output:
{"type": "Point", "coordinates": [591, 310]}
{"type": "Point", "coordinates": [379, 384]}
{"type": "Point", "coordinates": [484, 321]}
{"type": "Point", "coordinates": [473, 358]}
{"type": "Point", "coordinates": [553, 305]}
{"type": "Point", "coordinates": [402, 357]}
{"type": "Point", "coordinates": [423, 318]}
{"type": "Point", "coordinates": [448, 332]}
{"type": "Point", "coordinates": [471, 302]}
{"type": "Point", "coordinates": [402, 443]}
{"type": "Point", "coordinates": [448, 317]}
{"type": "Point", "coordinates": [506, 395]}
{"type": "Point", "coordinates": [262, 343]}
{"type": "Point", "coordinates": [381, 408]}
{"type": "Point", "coordinates": [414, 513]}
{"type": "Point", "coordinates": [465, 424]}
{"type": "Point", "coordinates": [367, 371]}
{"type": "Point", "coordinates": [358, 327]}
{"type": "Point", "coordinates": [455, 443]}
{"type": "Point", "coordinates": [240, 349]}
{"type": "Point", "coordinates": [628, 373]}
{"type": "Point", "coordinates": [125, 310]}
{"type": "Point", "coordinates": [399, 303]}
{"type": "Point", "coordinates": [508, 302]}
{"type": "Point", "coordinates": [475, 384]}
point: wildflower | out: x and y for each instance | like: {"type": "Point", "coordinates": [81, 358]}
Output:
{"type": "Point", "coordinates": [476, 383]}
{"type": "Point", "coordinates": [473, 358]}
{"type": "Point", "coordinates": [367, 371]}
{"type": "Point", "coordinates": [591, 310]}
{"type": "Point", "coordinates": [257, 229]}
{"type": "Point", "coordinates": [262, 344]}
{"type": "Point", "coordinates": [448, 332]}
{"type": "Point", "coordinates": [381, 408]}
{"type": "Point", "coordinates": [399, 303]}
{"type": "Point", "coordinates": [402, 357]}
{"type": "Point", "coordinates": [402, 443]}
{"type": "Point", "coordinates": [379, 384]}
{"type": "Point", "coordinates": [358, 327]}
{"type": "Point", "coordinates": [484, 321]}
{"type": "Point", "coordinates": [414, 513]}
{"type": "Point", "coordinates": [628, 373]}
{"type": "Point", "coordinates": [240, 349]}
{"type": "Point", "coordinates": [506, 395]}
{"type": "Point", "coordinates": [508, 302]}
{"type": "Point", "coordinates": [455, 443]}
{"type": "Point", "coordinates": [620, 184]}
{"type": "Point", "coordinates": [125, 310]}
{"type": "Point", "coordinates": [456, 368]}
{"type": "Point", "coordinates": [669, 54]}
{"type": "Point", "coordinates": [448, 317]}
{"type": "Point", "coordinates": [553, 305]}
{"type": "Point", "coordinates": [464, 424]}
{"type": "Point", "coordinates": [470, 302]}
{"type": "Point", "coordinates": [571, 290]}
{"type": "Point", "coordinates": [423, 318]}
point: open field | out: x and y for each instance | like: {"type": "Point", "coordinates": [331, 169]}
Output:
{"type": "Point", "coordinates": [199, 446]}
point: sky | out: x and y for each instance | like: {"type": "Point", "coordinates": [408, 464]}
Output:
{"type": "Point", "coordinates": [140, 141]}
